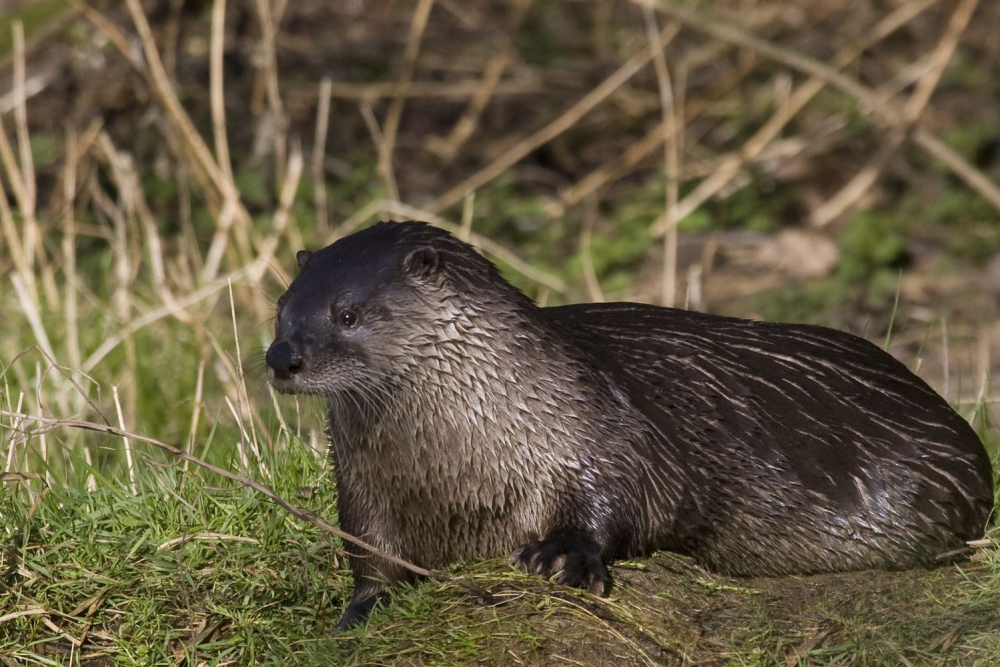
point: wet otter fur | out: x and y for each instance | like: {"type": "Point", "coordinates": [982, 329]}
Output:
{"type": "Point", "coordinates": [467, 422]}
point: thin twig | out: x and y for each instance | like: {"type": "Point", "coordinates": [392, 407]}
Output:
{"type": "Point", "coordinates": [850, 193]}
{"type": "Point", "coordinates": [168, 97]}
{"type": "Point", "coordinates": [32, 240]}
{"type": "Point", "coordinates": [196, 408]}
{"type": "Point", "coordinates": [16, 254]}
{"type": "Point", "coordinates": [882, 111]}
{"type": "Point", "coordinates": [106, 27]}
{"type": "Point", "coordinates": [48, 424]}
{"type": "Point", "coordinates": [733, 163]}
{"type": "Point", "coordinates": [17, 185]}
{"type": "Point", "coordinates": [786, 56]}
{"type": "Point", "coordinates": [447, 148]}
{"type": "Point", "coordinates": [164, 90]}
{"type": "Point", "coordinates": [418, 24]}
{"type": "Point", "coordinates": [674, 133]}
{"type": "Point", "coordinates": [586, 252]}
{"type": "Point", "coordinates": [346, 90]}
{"type": "Point", "coordinates": [220, 239]}
{"type": "Point", "coordinates": [468, 215]}
{"type": "Point", "coordinates": [125, 439]}
{"type": "Point", "coordinates": [973, 177]}
{"type": "Point", "coordinates": [275, 107]}
{"type": "Point", "coordinates": [206, 537]}
{"type": "Point", "coordinates": [566, 120]}
{"type": "Point", "coordinates": [71, 314]}
{"type": "Point", "coordinates": [250, 271]}
{"type": "Point", "coordinates": [216, 89]}
{"type": "Point", "coordinates": [21, 120]}
{"type": "Point", "coordinates": [487, 245]}
{"type": "Point", "coordinates": [33, 314]}
{"type": "Point", "coordinates": [135, 207]}
{"type": "Point", "coordinates": [382, 149]}
{"type": "Point", "coordinates": [318, 157]}
{"type": "Point", "coordinates": [242, 393]}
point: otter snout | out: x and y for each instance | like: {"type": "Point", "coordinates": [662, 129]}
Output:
{"type": "Point", "coordinates": [283, 360]}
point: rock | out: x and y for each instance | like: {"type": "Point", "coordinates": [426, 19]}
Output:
{"type": "Point", "coordinates": [800, 254]}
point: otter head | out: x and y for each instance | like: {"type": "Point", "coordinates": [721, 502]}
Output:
{"type": "Point", "coordinates": [350, 317]}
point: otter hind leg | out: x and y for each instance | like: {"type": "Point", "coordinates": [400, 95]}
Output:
{"type": "Point", "coordinates": [576, 558]}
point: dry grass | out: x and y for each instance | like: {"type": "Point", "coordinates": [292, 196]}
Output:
{"type": "Point", "coordinates": [117, 299]}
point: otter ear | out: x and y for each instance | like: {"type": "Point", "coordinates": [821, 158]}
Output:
{"type": "Point", "coordinates": [422, 262]}
{"type": "Point", "coordinates": [302, 256]}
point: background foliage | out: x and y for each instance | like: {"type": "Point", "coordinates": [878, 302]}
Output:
{"type": "Point", "coordinates": [834, 162]}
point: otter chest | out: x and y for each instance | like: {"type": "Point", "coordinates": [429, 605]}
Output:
{"type": "Point", "coordinates": [437, 508]}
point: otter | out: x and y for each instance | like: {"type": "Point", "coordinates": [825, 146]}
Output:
{"type": "Point", "coordinates": [466, 422]}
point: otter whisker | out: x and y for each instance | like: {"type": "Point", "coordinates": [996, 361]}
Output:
{"type": "Point", "coordinates": [465, 421]}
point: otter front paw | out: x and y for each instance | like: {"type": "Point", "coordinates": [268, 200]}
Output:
{"type": "Point", "coordinates": [577, 560]}
{"type": "Point", "coordinates": [359, 609]}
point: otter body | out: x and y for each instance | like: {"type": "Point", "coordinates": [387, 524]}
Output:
{"type": "Point", "coordinates": [467, 422]}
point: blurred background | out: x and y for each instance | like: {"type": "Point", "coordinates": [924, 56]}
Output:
{"type": "Point", "coordinates": [831, 161]}
{"type": "Point", "coordinates": [161, 161]}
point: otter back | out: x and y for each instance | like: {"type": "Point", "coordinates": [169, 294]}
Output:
{"type": "Point", "coordinates": [467, 422]}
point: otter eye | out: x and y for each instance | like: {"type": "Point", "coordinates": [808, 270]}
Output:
{"type": "Point", "coordinates": [347, 319]}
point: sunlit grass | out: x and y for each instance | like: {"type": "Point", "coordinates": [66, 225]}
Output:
{"type": "Point", "coordinates": [164, 563]}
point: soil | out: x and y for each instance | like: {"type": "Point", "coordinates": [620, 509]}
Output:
{"type": "Point", "coordinates": [671, 612]}
{"type": "Point", "coordinates": [664, 610]}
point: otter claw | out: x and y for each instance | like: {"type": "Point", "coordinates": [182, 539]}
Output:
{"type": "Point", "coordinates": [576, 560]}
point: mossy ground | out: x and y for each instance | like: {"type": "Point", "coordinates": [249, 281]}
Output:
{"type": "Point", "coordinates": [159, 563]}
{"type": "Point", "coordinates": [190, 570]}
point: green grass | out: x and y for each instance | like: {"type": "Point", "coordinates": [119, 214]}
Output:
{"type": "Point", "coordinates": [127, 574]}
{"type": "Point", "coordinates": [33, 16]}
{"type": "Point", "coordinates": [264, 596]}
{"type": "Point", "coordinates": [183, 566]}
{"type": "Point", "coordinates": [191, 567]}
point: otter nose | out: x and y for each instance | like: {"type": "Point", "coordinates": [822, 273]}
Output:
{"type": "Point", "coordinates": [283, 360]}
